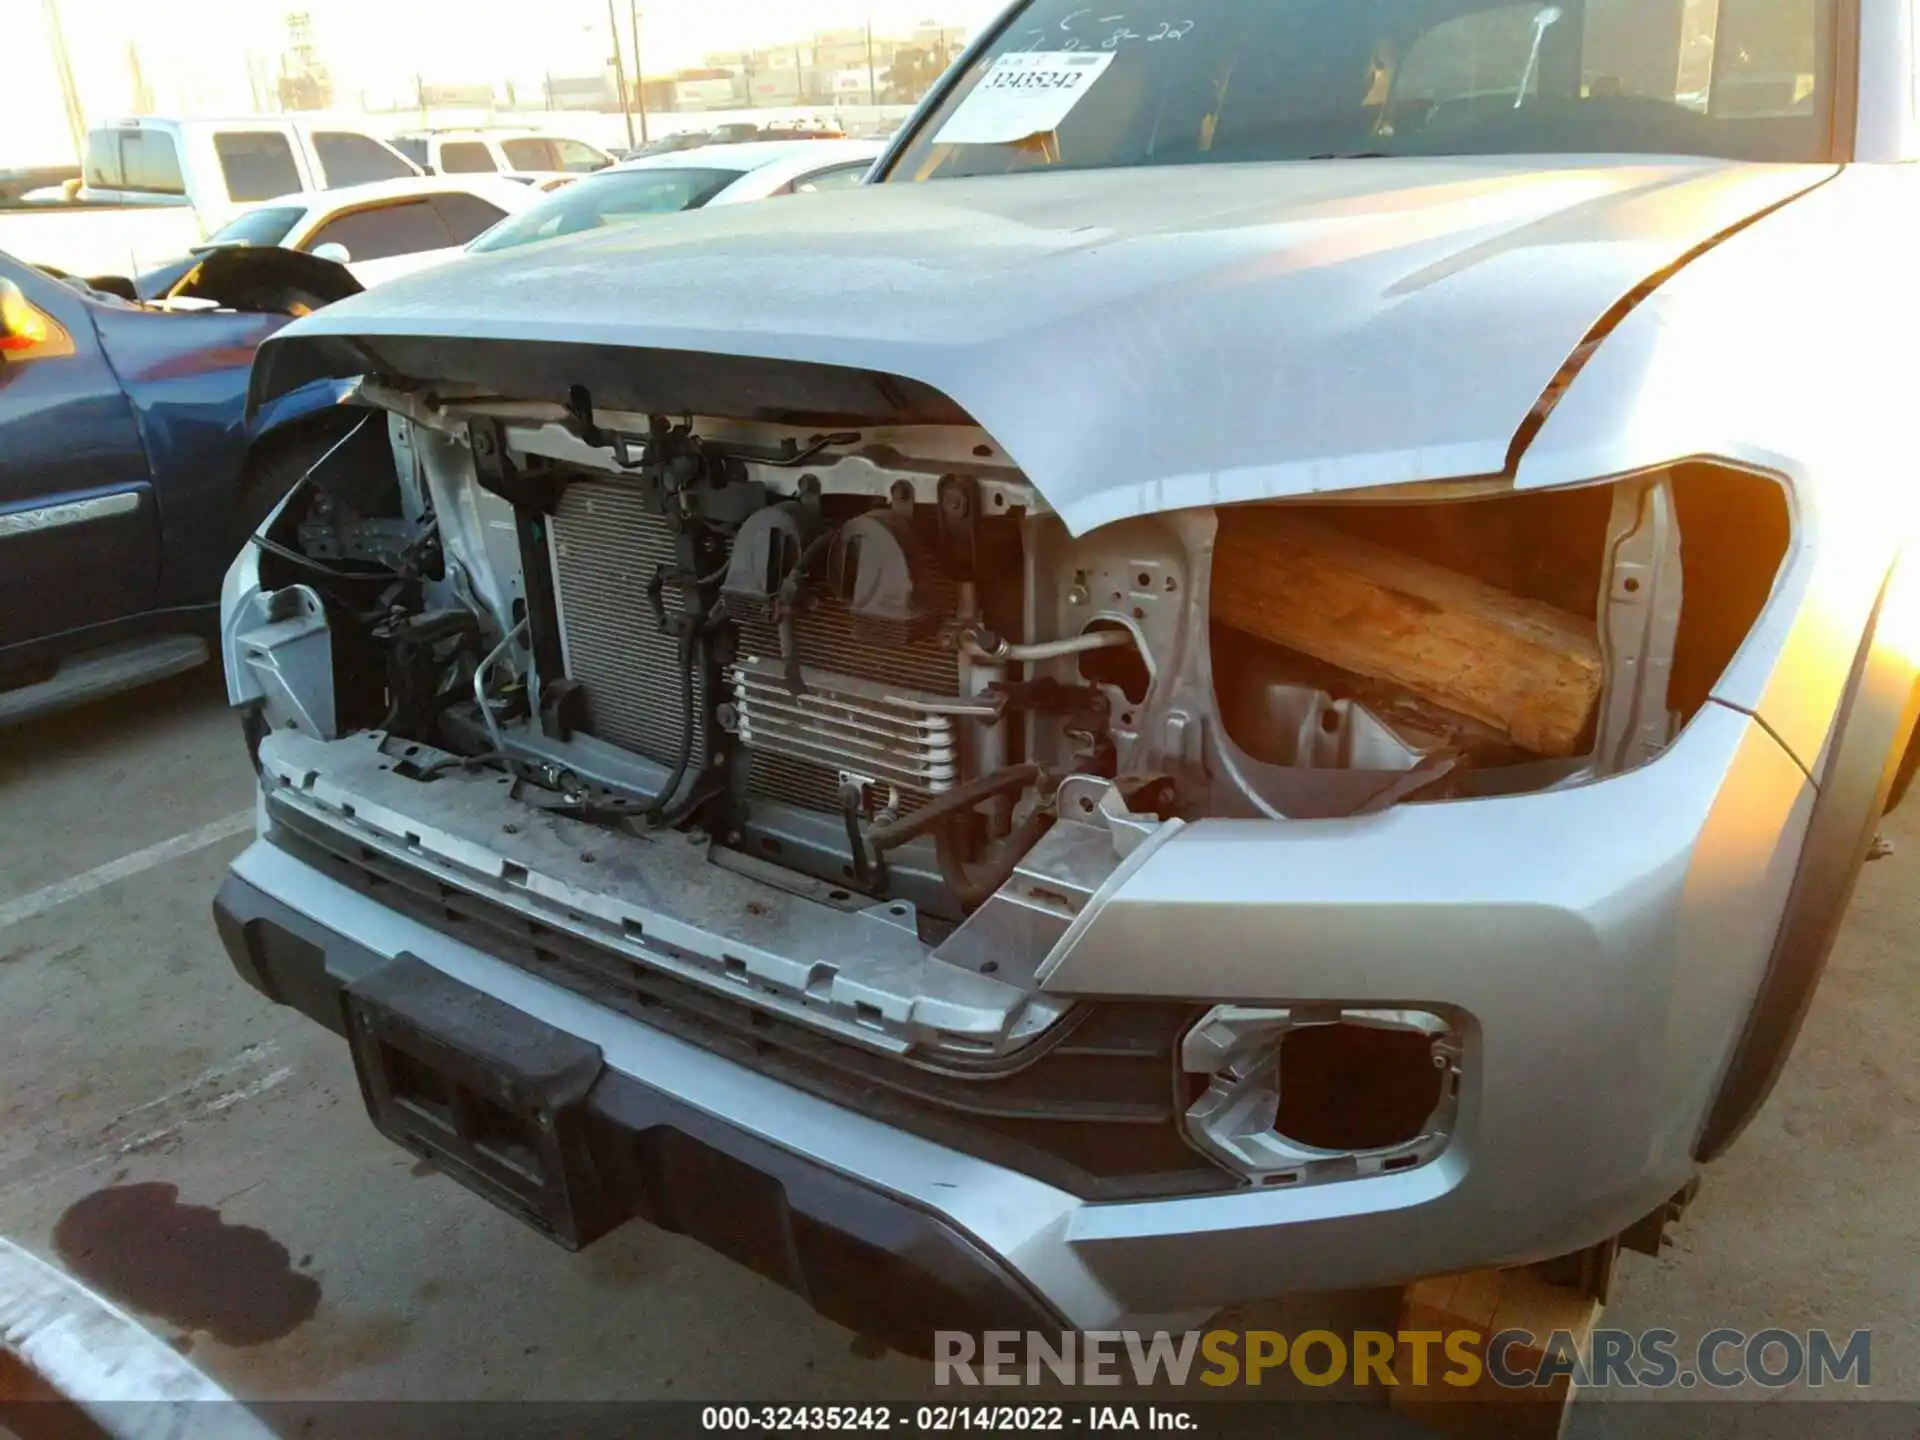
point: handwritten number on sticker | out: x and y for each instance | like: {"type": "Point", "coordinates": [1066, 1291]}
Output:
{"type": "Point", "coordinates": [1121, 35]}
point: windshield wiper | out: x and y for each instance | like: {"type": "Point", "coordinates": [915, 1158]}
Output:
{"type": "Point", "coordinates": [1352, 155]}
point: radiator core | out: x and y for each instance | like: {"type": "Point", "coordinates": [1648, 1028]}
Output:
{"type": "Point", "coordinates": [605, 548]}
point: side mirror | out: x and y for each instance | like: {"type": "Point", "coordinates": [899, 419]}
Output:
{"type": "Point", "coordinates": [333, 250]}
{"type": "Point", "coordinates": [22, 327]}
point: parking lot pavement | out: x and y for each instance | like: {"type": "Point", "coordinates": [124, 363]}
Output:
{"type": "Point", "coordinates": [202, 1156]}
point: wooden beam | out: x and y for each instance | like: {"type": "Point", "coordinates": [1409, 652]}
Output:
{"type": "Point", "coordinates": [1468, 1310]}
{"type": "Point", "coordinates": [1529, 670]}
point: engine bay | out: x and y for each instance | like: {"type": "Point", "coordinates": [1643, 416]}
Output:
{"type": "Point", "coordinates": [870, 670]}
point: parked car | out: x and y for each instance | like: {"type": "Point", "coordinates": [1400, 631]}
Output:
{"type": "Point", "coordinates": [739, 132]}
{"type": "Point", "coordinates": [1200, 689]}
{"type": "Point", "coordinates": [152, 186]}
{"type": "Point", "coordinates": [377, 231]}
{"type": "Point", "coordinates": [130, 472]}
{"type": "Point", "coordinates": [685, 180]}
{"type": "Point", "coordinates": [668, 144]}
{"type": "Point", "coordinates": [532, 153]}
{"type": "Point", "coordinates": [21, 182]}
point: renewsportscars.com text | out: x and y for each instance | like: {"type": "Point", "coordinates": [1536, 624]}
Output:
{"type": "Point", "coordinates": [1515, 1359]}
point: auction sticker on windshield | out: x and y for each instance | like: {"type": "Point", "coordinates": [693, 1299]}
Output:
{"type": "Point", "coordinates": [1024, 94]}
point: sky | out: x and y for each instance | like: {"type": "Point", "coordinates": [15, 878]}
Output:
{"type": "Point", "coordinates": [193, 54]}
{"type": "Point", "coordinates": [476, 36]}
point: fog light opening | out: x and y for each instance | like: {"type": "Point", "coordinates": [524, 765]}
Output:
{"type": "Point", "coordinates": [1318, 1093]}
{"type": "Point", "coordinates": [1356, 1087]}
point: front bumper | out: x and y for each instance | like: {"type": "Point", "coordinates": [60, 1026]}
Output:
{"type": "Point", "coordinates": [874, 1262]}
{"type": "Point", "coordinates": [1601, 945]}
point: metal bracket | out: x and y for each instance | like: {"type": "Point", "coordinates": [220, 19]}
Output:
{"type": "Point", "coordinates": [1639, 622]}
{"type": "Point", "coordinates": [580, 411]}
{"type": "Point", "coordinates": [280, 649]}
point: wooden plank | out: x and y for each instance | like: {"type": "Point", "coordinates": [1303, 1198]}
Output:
{"type": "Point", "coordinates": [1527, 669]}
{"type": "Point", "coordinates": [1481, 1304]}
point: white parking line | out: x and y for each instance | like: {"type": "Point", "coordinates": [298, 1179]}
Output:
{"type": "Point", "coordinates": [37, 902]}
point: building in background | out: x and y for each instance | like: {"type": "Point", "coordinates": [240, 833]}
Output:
{"type": "Point", "coordinates": [457, 97]}
{"type": "Point", "coordinates": [709, 88]}
{"type": "Point", "coordinates": [582, 92]}
{"type": "Point", "coordinates": [304, 83]}
{"type": "Point", "coordinates": [845, 66]}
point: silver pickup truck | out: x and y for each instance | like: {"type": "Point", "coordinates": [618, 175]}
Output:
{"type": "Point", "coordinates": [959, 740]}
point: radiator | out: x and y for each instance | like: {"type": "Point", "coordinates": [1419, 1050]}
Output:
{"type": "Point", "coordinates": [604, 548]}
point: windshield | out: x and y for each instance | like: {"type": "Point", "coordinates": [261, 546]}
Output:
{"type": "Point", "coordinates": [609, 197]}
{"type": "Point", "coordinates": [267, 226]}
{"type": "Point", "coordinates": [1065, 85]}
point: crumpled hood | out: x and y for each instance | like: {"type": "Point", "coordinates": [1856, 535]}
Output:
{"type": "Point", "coordinates": [1137, 340]}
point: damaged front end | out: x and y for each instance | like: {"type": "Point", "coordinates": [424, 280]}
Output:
{"type": "Point", "coordinates": [825, 730]}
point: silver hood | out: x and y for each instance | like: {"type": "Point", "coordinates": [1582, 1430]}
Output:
{"type": "Point", "coordinates": [1137, 340]}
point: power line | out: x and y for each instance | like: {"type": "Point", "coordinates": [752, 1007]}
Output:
{"type": "Point", "coordinates": [69, 92]}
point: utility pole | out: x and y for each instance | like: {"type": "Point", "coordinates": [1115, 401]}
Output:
{"type": "Point", "coordinates": [639, 72]}
{"type": "Point", "coordinates": [69, 92]}
{"type": "Point", "coordinates": [142, 92]}
{"type": "Point", "coordinates": [620, 71]}
{"type": "Point", "coordinates": [872, 92]}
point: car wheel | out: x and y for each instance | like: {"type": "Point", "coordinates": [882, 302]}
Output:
{"type": "Point", "coordinates": [275, 466]}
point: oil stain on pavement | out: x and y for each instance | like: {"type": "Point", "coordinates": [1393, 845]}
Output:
{"type": "Point", "coordinates": [139, 1245]}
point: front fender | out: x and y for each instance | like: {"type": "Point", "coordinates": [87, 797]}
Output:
{"type": "Point", "coordinates": [1862, 761]}
{"type": "Point", "coordinates": [297, 405]}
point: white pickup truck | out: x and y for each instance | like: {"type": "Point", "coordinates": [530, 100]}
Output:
{"type": "Point", "coordinates": [150, 187]}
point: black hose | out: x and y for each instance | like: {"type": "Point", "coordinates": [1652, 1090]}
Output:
{"type": "Point", "coordinates": [850, 801]}
{"type": "Point", "coordinates": [790, 587]}
{"type": "Point", "coordinates": [972, 891]}
{"type": "Point", "coordinates": [656, 817]}
{"type": "Point", "coordinates": [950, 802]}
{"type": "Point", "coordinates": [787, 596]}
{"type": "Point", "coordinates": [698, 794]}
